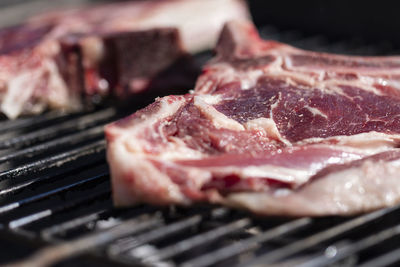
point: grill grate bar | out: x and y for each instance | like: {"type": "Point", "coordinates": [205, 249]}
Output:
{"type": "Point", "coordinates": [31, 182]}
{"type": "Point", "coordinates": [356, 247]}
{"type": "Point", "coordinates": [72, 139]}
{"type": "Point", "coordinates": [61, 128]}
{"type": "Point", "coordinates": [247, 244]}
{"type": "Point", "coordinates": [320, 237]}
{"type": "Point", "coordinates": [95, 219]}
{"type": "Point", "coordinates": [48, 233]}
{"type": "Point", "coordinates": [56, 253]}
{"type": "Point", "coordinates": [48, 212]}
{"type": "Point", "coordinates": [11, 125]}
{"type": "Point", "coordinates": [130, 243]}
{"type": "Point", "coordinates": [53, 161]}
{"type": "Point", "coordinates": [30, 218]}
{"type": "Point", "coordinates": [154, 235]}
{"type": "Point", "coordinates": [386, 259]}
{"type": "Point", "coordinates": [198, 240]}
{"type": "Point", "coordinates": [25, 201]}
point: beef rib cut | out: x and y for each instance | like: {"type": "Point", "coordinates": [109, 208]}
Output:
{"type": "Point", "coordinates": [121, 49]}
{"type": "Point", "coordinates": [269, 128]}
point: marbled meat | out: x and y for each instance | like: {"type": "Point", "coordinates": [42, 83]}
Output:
{"type": "Point", "coordinates": [119, 49]}
{"type": "Point", "coordinates": [269, 128]}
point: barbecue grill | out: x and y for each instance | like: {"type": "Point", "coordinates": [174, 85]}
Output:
{"type": "Point", "coordinates": [55, 205]}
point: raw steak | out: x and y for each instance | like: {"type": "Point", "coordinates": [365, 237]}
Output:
{"type": "Point", "coordinates": [123, 48]}
{"type": "Point", "coordinates": [269, 128]}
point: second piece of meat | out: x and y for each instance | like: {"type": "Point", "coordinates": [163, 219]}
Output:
{"type": "Point", "coordinates": [118, 49]}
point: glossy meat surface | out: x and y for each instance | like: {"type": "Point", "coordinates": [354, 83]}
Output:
{"type": "Point", "coordinates": [269, 128]}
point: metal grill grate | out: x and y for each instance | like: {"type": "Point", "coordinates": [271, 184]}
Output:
{"type": "Point", "coordinates": [55, 204]}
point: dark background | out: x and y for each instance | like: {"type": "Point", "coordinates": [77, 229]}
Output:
{"type": "Point", "coordinates": [374, 21]}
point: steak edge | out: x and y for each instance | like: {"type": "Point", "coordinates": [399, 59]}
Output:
{"type": "Point", "coordinates": [269, 128]}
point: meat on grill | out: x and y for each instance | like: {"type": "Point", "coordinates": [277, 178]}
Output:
{"type": "Point", "coordinates": [269, 128]}
{"type": "Point", "coordinates": [53, 59]}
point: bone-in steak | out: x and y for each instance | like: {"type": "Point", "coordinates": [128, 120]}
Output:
{"type": "Point", "coordinates": [269, 128]}
{"type": "Point", "coordinates": [122, 48]}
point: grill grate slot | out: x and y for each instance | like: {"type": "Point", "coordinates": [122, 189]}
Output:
{"type": "Point", "coordinates": [69, 140]}
{"type": "Point", "coordinates": [321, 237]}
{"type": "Point", "coordinates": [39, 120]}
{"type": "Point", "coordinates": [244, 245]}
{"type": "Point", "coordinates": [41, 196]}
{"type": "Point", "coordinates": [80, 225]}
{"type": "Point", "coordinates": [55, 253]}
{"type": "Point", "coordinates": [354, 248]}
{"type": "Point", "coordinates": [128, 244]}
{"type": "Point", "coordinates": [49, 233]}
{"type": "Point", "coordinates": [128, 247]}
{"type": "Point", "coordinates": [59, 129]}
{"type": "Point", "coordinates": [48, 212]}
{"type": "Point", "coordinates": [33, 183]}
{"type": "Point", "coordinates": [197, 240]}
{"type": "Point", "coordinates": [388, 259]}
{"type": "Point", "coordinates": [54, 161]}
